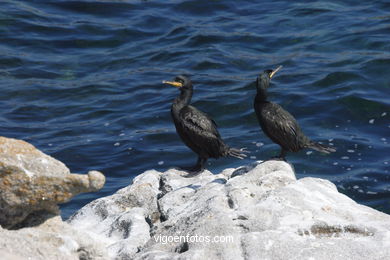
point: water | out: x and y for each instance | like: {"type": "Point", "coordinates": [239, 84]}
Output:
{"type": "Point", "coordinates": [81, 80]}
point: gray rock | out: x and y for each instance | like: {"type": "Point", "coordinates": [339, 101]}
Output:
{"type": "Point", "coordinates": [261, 211]}
{"type": "Point", "coordinates": [31, 182]}
{"type": "Point", "coordinates": [53, 239]}
{"type": "Point", "coordinates": [123, 220]}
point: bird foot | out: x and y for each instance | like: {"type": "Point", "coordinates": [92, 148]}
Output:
{"type": "Point", "coordinates": [193, 174]}
{"type": "Point", "coordinates": [278, 158]}
{"type": "Point", "coordinates": [192, 171]}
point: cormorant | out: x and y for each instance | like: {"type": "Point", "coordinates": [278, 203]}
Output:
{"type": "Point", "coordinates": [278, 124]}
{"type": "Point", "coordinates": [197, 129]}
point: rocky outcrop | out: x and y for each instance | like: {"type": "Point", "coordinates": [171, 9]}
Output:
{"type": "Point", "coordinates": [32, 182]}
{"type": "Point", "coordinates": [123, 220]}
{"type": "Point", "coordinates": [31, 185]}
{"type": "Point", "coordinates": [53, 239]}
{"type": "Point", "coordinates": [254, 212]}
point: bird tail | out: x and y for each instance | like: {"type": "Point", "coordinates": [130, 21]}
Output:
{"type": "Point", "coordinates": [238, 153]}
{"type": "Point", "coordinates": [321, 148]}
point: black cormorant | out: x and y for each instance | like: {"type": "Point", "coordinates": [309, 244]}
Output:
{"type": "Point", "coordinates": [197, 129]}
{"type": "Point", "coordinates": [278, 124]}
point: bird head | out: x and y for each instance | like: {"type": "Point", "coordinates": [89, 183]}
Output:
{"type": "Point", "coordinates": [265, 77]}
{"type": "Point", "coordinates": [181, 82]}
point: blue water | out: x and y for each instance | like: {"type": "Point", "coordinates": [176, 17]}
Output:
{"type": "Point", "coordinates": [81, 80]}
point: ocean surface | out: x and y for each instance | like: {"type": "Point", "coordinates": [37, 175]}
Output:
{"type": "Point", "coordinates": [81, 80]}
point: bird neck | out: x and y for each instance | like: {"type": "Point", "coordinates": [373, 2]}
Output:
{"type": "Point", "coordinates": [261, 95]}
{"type": "Point", "coordinates": [184, 98]}
{"type": "Point", "coordinates": [261, 87]}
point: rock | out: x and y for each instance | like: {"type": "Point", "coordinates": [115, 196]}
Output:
{"type": "Point", "coordinates": [260, 211]}
{"type": "Point", "coordinates": [123, 220]}
{"type": "Point", "coordinates": [53, 239]}
{"type": "Point", "coordinates": [31, 181]}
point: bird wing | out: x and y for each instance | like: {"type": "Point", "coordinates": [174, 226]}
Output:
{"type": "Point", "coordinates": [201, 129]}
{"type": "Point", "coordinates": [196, 119]}
{"type": "Point", "coordinates": [281, 127]}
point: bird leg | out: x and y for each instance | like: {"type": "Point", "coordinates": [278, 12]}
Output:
{"type": "Point", "coordinates": [283, 154]}
{"type": "Point", "coordinates": [198, 168]}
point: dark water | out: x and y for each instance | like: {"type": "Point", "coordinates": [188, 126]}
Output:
{"type": "Point", "coordinates": [81, 80]}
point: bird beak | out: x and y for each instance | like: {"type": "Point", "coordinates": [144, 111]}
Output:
{"type": "Point", "coordinates": [173, 83]}
{"type": "Point", "coordinates": [274, 71]}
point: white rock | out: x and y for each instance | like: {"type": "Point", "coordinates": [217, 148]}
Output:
{"type": "Point", "coordinates": [262, 210]}
{"type": "Point", "coordinates": [53, 239]}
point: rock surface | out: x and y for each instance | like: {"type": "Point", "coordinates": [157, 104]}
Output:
{"type": "Point", "coordinates": [31, 182]}
{"type": "Point", "coordinates": [54, 239]}
{"type": "Point", "coordinates": [262, 212]}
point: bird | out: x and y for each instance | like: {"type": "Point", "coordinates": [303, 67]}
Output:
{"type": "Point", "coordinates": [278, 124]}
{"type": "Point", "coordinates": [197, 129]}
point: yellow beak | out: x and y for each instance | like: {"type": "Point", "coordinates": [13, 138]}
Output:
{"type": "Point", "coordinates": [173, 83]}
{"type": "Point", "coordinates": [274, 71]}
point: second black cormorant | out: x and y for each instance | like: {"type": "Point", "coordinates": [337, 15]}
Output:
{"type": "Point", "coordinates": [197, 129]}
{"type": "Point", "coordinates": [278, 124]}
